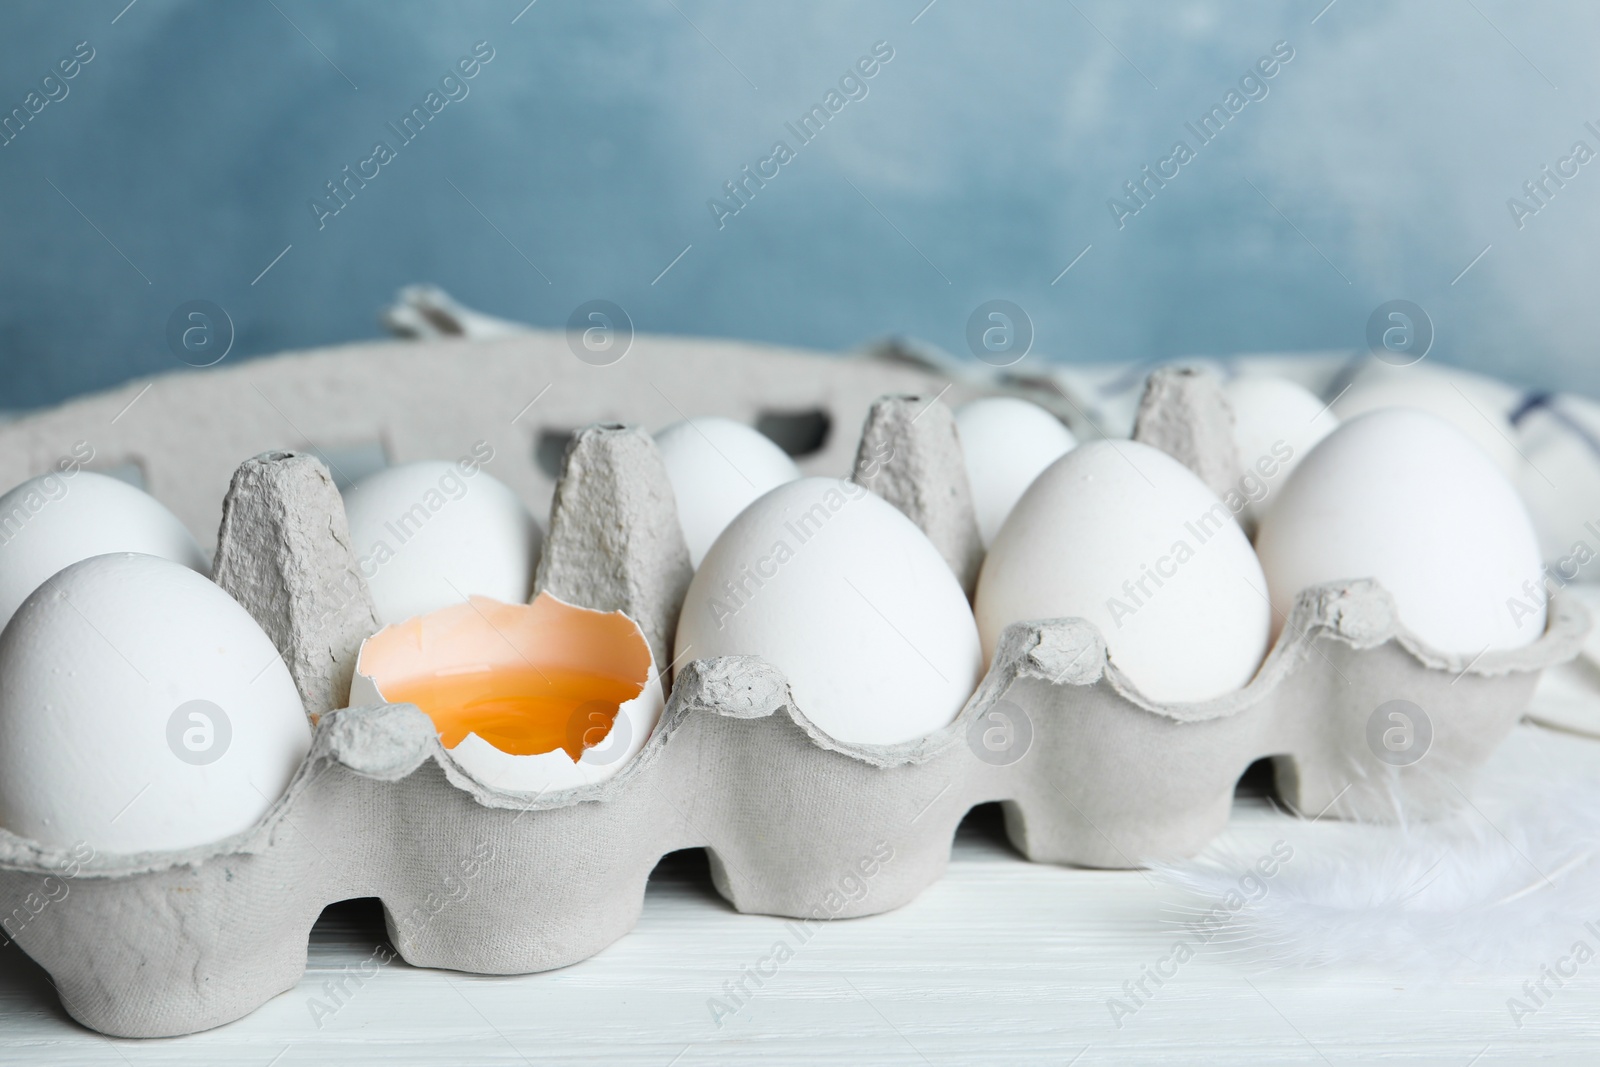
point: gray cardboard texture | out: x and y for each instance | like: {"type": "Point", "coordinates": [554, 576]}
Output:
{"type": "Point", "coordinates": [1088, 771]}
{"type": "Point", "coordinates": [910, 456]}
{"type": "Point", "coordinates": [1184, 413]}
{"type": "Point", "coordinates": [615, 543]}
{"type": "Point", "coordinates": [190, 429]}
{"type": "Point", "coordinates": [284, 553]}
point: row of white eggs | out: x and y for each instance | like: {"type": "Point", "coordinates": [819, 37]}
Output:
{"type": "Point", "coordinates": [845, 595]}
{"type": "Point", "coordinates": [118, 663]}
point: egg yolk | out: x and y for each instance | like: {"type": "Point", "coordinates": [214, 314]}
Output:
{"type": "Point", "coordinates": [527, 678]}
{"type": "Point", "coordinates": [523, 711]}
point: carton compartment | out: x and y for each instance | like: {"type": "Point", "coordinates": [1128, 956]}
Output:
{"type": "Point", "coordinates": [1088, 771]}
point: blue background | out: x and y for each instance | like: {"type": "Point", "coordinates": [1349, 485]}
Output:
{"type": "Point", "coordinates": [978, 167]}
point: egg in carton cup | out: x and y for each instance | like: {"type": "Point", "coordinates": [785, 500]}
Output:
{"type": "Point", "coordinates": [499, 867]}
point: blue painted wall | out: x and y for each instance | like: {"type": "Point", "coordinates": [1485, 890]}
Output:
{"type": "Point", "coordinates": [976, 163]}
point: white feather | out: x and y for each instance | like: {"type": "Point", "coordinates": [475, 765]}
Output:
{"type": "Point", "coordinates": [1503, 893]}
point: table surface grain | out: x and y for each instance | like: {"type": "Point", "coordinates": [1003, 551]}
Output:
{"type": "Point", "coordinates": [1000, 962]}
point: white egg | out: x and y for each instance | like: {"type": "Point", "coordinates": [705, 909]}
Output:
{"type": "Point", "coordinates": [717, 467]}
{"type": "Point", "coordinates": [1006, 443]}
{"type": "Point", "coordinates": [1275, 423]}
{"type": "Point", "coordinates": [1399, 495]}
{"type": "Point", "coordinates": [141, 708]}
{"type": "Point", "coordinates": [430, 534]}
{"type": "Point", "coordinates": [1125, 536]}
{"type": "Point", "coordinates": [1476, 406]}
{"type": "Point", "coordinates": [837, 589]}
{"type": "Point", "coordinates": [53, 521]}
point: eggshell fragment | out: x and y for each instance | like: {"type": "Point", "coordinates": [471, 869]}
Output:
{"type": "Point", "coordinates": [717, 467]}
{"type": "Point", "coordinates": [1006, 443]}
{"type": "Point", "coordinates": [1125, 536]}
{"type": "Point", "coordinates": [1399, 495]}
{"type": "Point", "coordinates": [833, 586]}
{"type": "Point", "coordinates": [1276, 423]}
{"type": "Point", "coordinates": [52, 521]}
{"type": "Point", "coordinates": [527, 697]}
{"type": "Point", "coordinates": [141, 709]}
{"type": "Point", "coordinates": [429, 534]}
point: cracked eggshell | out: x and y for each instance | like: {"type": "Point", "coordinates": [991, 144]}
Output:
{"type": "Point", "coordinates": [1123, 535]}
{"type": "Point", "coordinates": [55, 520]}
{"type": "Point", "coordinates": [141, 709]}
{"type": "Point", "coordinates": [1006, 443]}
{"type": "Point", "coordinates": [425, 535]}
{"type": "Point", "coordinates": [1401, 496]}
{"type": "Point", "coordinates": [833, 586]}
{"type": "Point", "coordinates": [528, 698]}
{"type": "Point", "coordinates": [717, 468]}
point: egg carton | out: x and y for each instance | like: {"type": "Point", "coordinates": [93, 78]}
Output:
{"type": "Point", "coordinates": [794, 823]}
{"type": "Point", "coordinates": [181, 435]}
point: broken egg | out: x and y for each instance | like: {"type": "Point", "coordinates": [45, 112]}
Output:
{"type": "Point", "coordinates": [429, 534]}
{"type": "Point", "coordinates": [1006, 443]}
{"type": "Point", "coordinates": [717, 467]}
{"type": "Point", "coordinates": [141, 709]}
{"type": "Point", "coordinates": [526, 697]}
{"type": "Point", "coordinates": [53, 521]}
{"type": "Point", "coordinates": [832, 585]}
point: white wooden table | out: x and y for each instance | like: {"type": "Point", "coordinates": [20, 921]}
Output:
{"type": "Point", "coordinates": [1001, 962]}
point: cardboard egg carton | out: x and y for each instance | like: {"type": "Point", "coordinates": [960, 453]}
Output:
{"type": "Point", "coordinates": [794, 823]}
